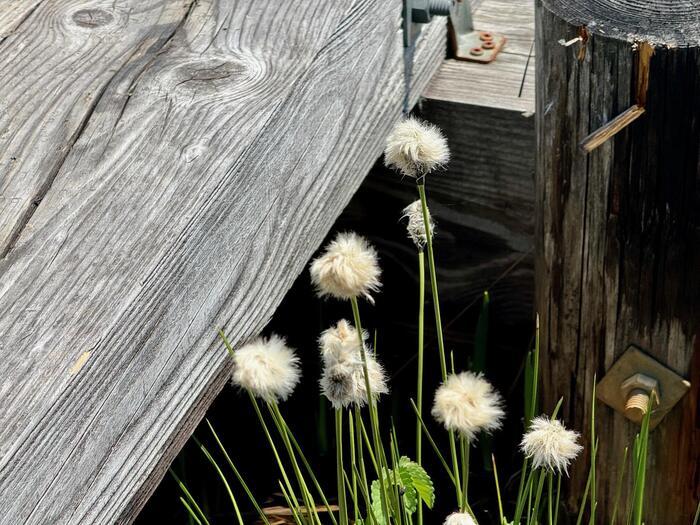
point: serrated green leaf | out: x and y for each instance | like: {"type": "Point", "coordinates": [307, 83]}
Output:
{"type": "Point", "coordinates": [415, 476]}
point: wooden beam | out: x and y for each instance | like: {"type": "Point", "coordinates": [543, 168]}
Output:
{"type": "Point", "coordinates": [618, 231]}
{"type": "Point", "coordinates": [218, 143]}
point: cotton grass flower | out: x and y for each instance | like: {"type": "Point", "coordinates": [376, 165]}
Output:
{"type": "Point", "coordinates": [467, 403]}
{"type": "Point", "coordinates": [343, 377]}
{"type": "Point", "coordinates": [343, 383]}
{"type": "Point", "coordinates": [340, 342]}
{"type": "Point", "coordinates": [348, 268]}
{"type": "Point", "coordinates": [415, 148]}
{"type": "Point", "coordinates": [416, 225]}
{"type": "Point", "coordinates": [459, 518]}
{"type": "Point", "coordinates": [550, 445]}
{"type": "Point", "coordinates": [267, 368]}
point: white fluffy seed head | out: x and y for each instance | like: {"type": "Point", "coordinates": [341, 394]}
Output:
{"type": "Point", "coordinates": [467, 403]}
{"type": "Point", "coordinates": [343, 378]}
{"type": "Point", "coordinates": [343, 383]}
{"type": "Point", "coordinates": [266, 367]}
{"type": "Point", "coordinates": [416, 225]}
{"type": "Point", "coordinates": [550, 445]}
{"type": "Point", "coordinates": [415, 148]}
{"type": "Point", "coordinates": [459, 518]}
{"type": "Point", "coordinates": [347, 268]}
{"type": "Point", "coordinates": [340, 342]}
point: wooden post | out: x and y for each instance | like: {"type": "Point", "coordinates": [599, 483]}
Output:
{"type": "Point", "coordinates": [618, 226]}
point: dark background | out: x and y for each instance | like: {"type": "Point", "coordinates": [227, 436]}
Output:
{"type": "Point", "coordinates": [374, 212]}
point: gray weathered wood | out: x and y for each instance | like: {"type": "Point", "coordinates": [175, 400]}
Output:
{"type": "Point", "coordinates": [618, 230]}
{"type": "Point", "coordinates": [54, 79]}
{"type": "Point", "coordinates": [223, 143]}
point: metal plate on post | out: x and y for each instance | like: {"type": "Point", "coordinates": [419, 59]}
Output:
{"type": "Point", "coordinates": [671, 387]}
{"type": "Point", "coordinates": [478, 46]}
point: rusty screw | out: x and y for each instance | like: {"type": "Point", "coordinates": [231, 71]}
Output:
{"type": "Point", "coordinates": [485, 36]}
{"type": "Point", "coordinates": [637, 391]}
{"type": "Point", "coordinates": [488, 44]}
{"type": "Point", "coordinates": [476, 51]}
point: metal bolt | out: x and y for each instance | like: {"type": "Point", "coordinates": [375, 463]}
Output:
{"type": "Point", "coordinates": [637, 391]}
{"type": "Point", "coordinates": [476, 51]}
{"type": "Point", "coordinates": [423, 10]}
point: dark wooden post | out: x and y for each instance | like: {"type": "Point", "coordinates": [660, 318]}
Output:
{"type": "Point", "coordinates": [618, 227]}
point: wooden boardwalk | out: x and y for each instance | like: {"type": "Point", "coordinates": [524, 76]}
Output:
{"type": "Point", "coordinates": [166, 169]}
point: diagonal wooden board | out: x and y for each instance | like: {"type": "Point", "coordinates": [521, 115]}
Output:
{"type": "Point", "coordinates": [218, 142]}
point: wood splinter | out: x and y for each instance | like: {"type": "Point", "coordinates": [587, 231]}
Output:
{"type": "Point", "coordinates": [624, 119]}
{"type": "Point", "coordinates": [608, 130]}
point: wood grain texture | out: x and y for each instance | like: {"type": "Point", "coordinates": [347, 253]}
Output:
{"type": "Point", "coordinates": [618, 237]}
{"type": "Point", "coordinates": [198, 185]}
{"type": "Point", "coordinates": [508, 82]}
{"type": "Point", "coordinates": [57, 63]}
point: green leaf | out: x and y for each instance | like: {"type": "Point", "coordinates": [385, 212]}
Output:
{"type": "Point", "coordinates": [415, 477]}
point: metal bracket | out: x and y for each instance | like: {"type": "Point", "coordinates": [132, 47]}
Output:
{"type": "Point", "coordinates": [418, 12]}
{"type": "Point", "coordinates": [469, 43]}
{"type": "Point", "coordinates": [628, 387]}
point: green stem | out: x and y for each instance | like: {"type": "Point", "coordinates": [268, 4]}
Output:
{"type": "Point", "coordinates": [556, 503]}
{"type": "Point", "coordinates": [550, 498]}
{"type": "Point", "coordinates": [538, 496]}
{"type": "Point", "coordinates": [280, 465]}
{"type": "Point", "coordinates": [276, 415]}
{"type": "Point", "coordinates": [419, 386]}
{"type": "Point", "coordinates": [438, 325]}
{"type": "Point", "coordinates": [339, 466]}
{"type": "Point", "coordinates": [372, 406]}
{"type": "Point", "coordinates": [464, 448]}
{"type": "Point", "coordinates": [353, 461]}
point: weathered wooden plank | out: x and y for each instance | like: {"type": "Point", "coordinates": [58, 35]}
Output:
{"type": "Point", "coordinates": [13, 14]}
{"type": "Point", "coordinates": [57, 59]}
{"type": "Point", "coordinates": [618, 231]}
{"type": "Point", "coordinates": [509, 81]}
{"type": "Point", "coordinates": [192, 199]}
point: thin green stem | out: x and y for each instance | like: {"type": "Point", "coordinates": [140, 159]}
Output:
{"type": "Point", "coordinates": [238, 475]}
{"type": "Point", "coordinates": [538, 496]}
{"type": "Point", "coordinates": [438, 326]}
{"type": "Point", "coordinates": [464, 449]}
{"type": "Point", "coordinates": [339, 466]}
{"type": "Point", "coordinates": [556, 503]}
{"type": "Point", "coordinates": [618, 487]}
{"type": "Point", "coordinates": [189, 497]}
{"type": "Point", "coordinates": [498, 491]}
{"type": "Point", "coordinates": [280, 465]}
{"type": "Point", "coordinates": [234, 503]}
{"type": "Point", "coordinates": [550, 498]}
{"type": "Point", "coordinates": [433, 444]}
{"type": "Point", "coordinates": [433, 279]}
{"type": "Point", "coordinates": [284, 434]}
{"type": "Point", "coordinates": [353, 460]}
{"type": "Point", "coordinates": [520, 502]}
{"type": "Point", "coordinates": [419, 386]}
{"type": "Point", "coordinates": [372, 406]}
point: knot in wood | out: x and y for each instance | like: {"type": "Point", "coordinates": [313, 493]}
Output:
{"type": "Point", "coordinates": [92, 18]}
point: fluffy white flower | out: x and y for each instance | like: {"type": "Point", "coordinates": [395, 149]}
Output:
{"type": "Point", "coordinates": [347, 268]}
{"type": "Point", "coordinates": [416, 225]}
{"type": "Point", "coordinates": [266, 367]}
{"type": "Point", "coordinates": [343, 378]}
{"type": "Point", "coordinates": [340, 342]}
{"type": "Point", "coordinates": [550, 445]}
{"type": "Point", "coordinates": [343, 383]}
{"type": "Point", "coordinates": [459, 518]}
{"type": "Point", "coordinates": [467, 403]}
{"type": "Point", "coordinates": [415, 148]}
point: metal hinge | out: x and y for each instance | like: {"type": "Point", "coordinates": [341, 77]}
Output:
{"type": "Point", "coordinates": [467, 43]}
